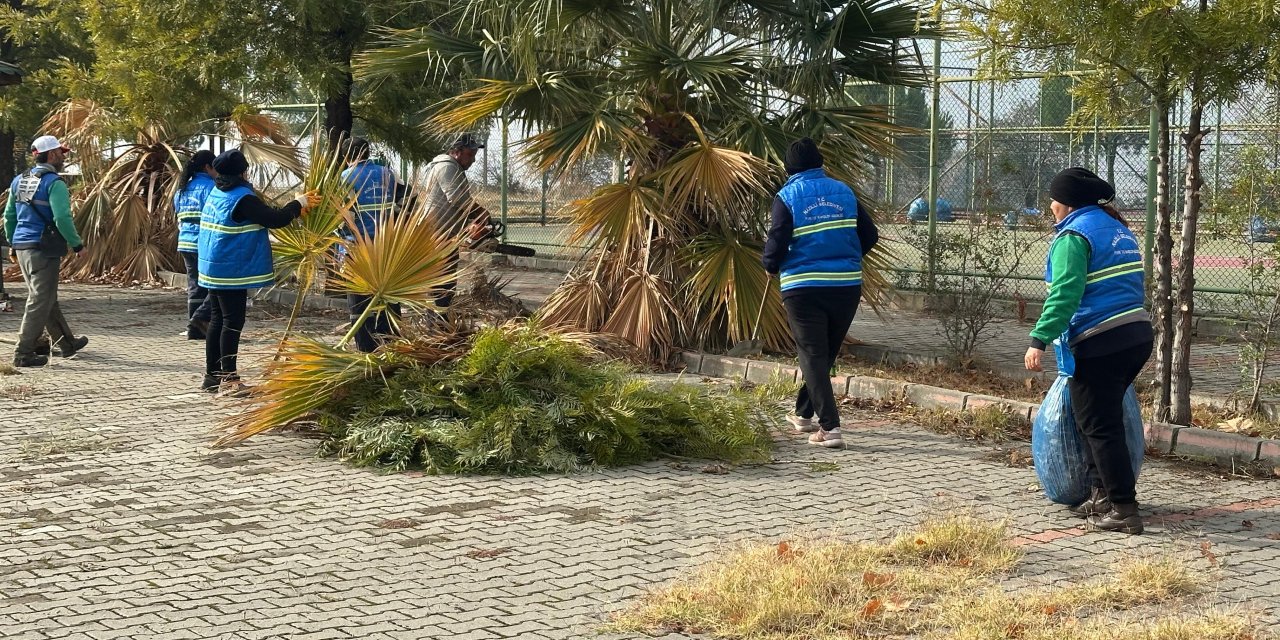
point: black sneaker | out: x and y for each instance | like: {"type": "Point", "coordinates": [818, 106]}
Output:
{"type": "Point", "coordinates": [68, 348]}
{"type": "Point", "coordinates": [1123, 518]}
{"type": "Point", "coordinates": [30, 360]}
{"type": "Point", "coordinates": [42, 346]}
{"type": "Point", "coordinates": [1098, 504]}
{"type": "Point", "coordinates": [210, 384]}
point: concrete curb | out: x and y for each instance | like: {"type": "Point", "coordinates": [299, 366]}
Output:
{"type": "Point", "coordinates": [1161, 438]}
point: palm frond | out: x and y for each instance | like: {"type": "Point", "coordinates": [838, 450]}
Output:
{"type": "Point", "coordinates": [310, 375]}
{"type": "Point", "coordinates": [717, 177]}
{"type": "Point", "coordinates": [728, 283]}
{"type": "Point", "coordinates": [643, 313]}
{"type": "Point", "coordinates": [285, 156]}
{"type": "Point", "coordinates": [581, 302]}
{"type": "Point", "coordinates": [615, 215]}
{"type": "Point", "coordinates": [406, 262]}
{"type": "Point", "coordinates": [260, 127]}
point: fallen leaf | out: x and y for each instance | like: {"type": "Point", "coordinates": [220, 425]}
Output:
{"type": "Point", "coordinates": [872, 579]}
{"type": "Point", "coordinates": [896, 603]}
{"type": "Point", "coordinates": [1236, 425]}
{"type": "Point", "coordinates": [964, 562]}
{"type": "Point", "coordinates": [872, 608]}
{"type": "Point", "coordinates": [786, 552]}
{"type": "Point", "coordinates": [1273, 536]}
{"type": "Point", "coordinates": [717, 469]}
{"type": "Point", "coordinates": [1030, 384]}
{"type": "Point", "coordinates": [1248, 524]}
{"type": "Point", "coordinates": [484, 554]}
{"type": "Point", "coordinates": [1206, 551]}
{"type": "Point", "coordinates": [1050, 610]}
{"type": "Point", "coordinates": [920, 542]}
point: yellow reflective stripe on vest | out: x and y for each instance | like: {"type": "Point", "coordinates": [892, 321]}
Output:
{"type": "Point", "coordinates": [225, 229]}
{"type": "Point", "coordinates": [187, 246]}
{"type": "Point", "coordinates": [266, 277]}
{"type": "Point", "coordinates": [825, 276]}
{"type": "Point", "coordinates": [372, 207]}
{"type": "Point", "coordinates": [824, 226]}
{"type": "Point", "coordinates": [1111, 272]}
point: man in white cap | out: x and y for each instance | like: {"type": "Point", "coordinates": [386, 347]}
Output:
{"type": "Point", "coordinates": [38, 223]}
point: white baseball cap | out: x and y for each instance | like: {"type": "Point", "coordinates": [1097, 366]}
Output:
{"type": "Point", "coordinates": [47, 143]}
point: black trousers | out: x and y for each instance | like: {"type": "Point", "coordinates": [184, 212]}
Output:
{"type": "Point", "coordinates": [1097, 402]}
{"type": "Point", "coordinates": [377, 324]}
{"type": "Point", "coordinates": [820, 319]}
{"type": "Point", "coordinates": [198, 306]}
{"type": "Point", "coordinates": [222, 342]}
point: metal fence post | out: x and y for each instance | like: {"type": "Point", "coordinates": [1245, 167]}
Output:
{"type": "Point", "coordinates": [933, 163]}
{"type": "Point", "coordinates": [506, 175]}
{"type": "Point", "coordinates": [544, 198]}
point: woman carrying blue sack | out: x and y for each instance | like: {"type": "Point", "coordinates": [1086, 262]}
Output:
{"type": "Point", "coordinates": [193, 188]}
{"type": "Point", "coordinates": [1096, 297]}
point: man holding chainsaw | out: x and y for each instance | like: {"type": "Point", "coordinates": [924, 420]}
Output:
{"type": "Point", "coordinates": [449, 202]}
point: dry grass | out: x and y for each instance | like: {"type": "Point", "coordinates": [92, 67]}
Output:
{"type": "Point", "coordinates": [987, 424]}
{"type": "Point", "coordinates": [7, 369]}
{"type": "Point", "coordinates": [939, 581]}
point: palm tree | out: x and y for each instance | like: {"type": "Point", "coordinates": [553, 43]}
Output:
{"type": "Point", "coordinates": [124, 200]}
{"type": "Point", "coordinates": [700, 99]}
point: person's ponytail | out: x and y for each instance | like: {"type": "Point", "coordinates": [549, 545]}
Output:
{"type": "Point", "coordinates": [195, 164]}
{"type": "Point", "coordinates": [1112, 211]}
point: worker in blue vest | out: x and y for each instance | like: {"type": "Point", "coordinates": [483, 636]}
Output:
{"type": "Point", "coordinates": [39, 227]}
{"type": "Point", "coordinates": [818, 235]}
{"type": "Point", "coordinates": [234, 257]}
{"type": "Point", "coordinates": [377, 192]}
{"type": "Point", "coordinates": [1095, 303]}
{"type": "Point", "coordinates": [193, 188]}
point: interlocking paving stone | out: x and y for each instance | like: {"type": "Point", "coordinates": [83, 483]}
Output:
{"type": "Point", "coordinates": [158, 536]}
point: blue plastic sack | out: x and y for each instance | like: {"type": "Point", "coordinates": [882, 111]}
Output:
{"type": "Point", "coordinates": [1058, 448]}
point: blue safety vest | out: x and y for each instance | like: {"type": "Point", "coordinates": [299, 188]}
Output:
{"type": "Point", "coordinates": [824, 250]}
{"type": "Point", "coordinates": [187, 205]}
{"type": "Point", "coordinates": [31, 200]}
{"type": "Point", "coordinates": [375, 193]}
{"type": "Point", "coordinates": [1113, 290]}
{"type": "Point", "coordinates": [233, 255]}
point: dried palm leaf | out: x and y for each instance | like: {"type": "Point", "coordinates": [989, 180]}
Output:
{"type": "Point", "coordinates": [406, 262]}
{"type": "Point", "coordinates": [308, 377]}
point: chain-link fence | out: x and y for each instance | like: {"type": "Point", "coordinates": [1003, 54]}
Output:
{"type": "Point", "coordinates": [996, 144]}
{"type": "Point", "coordinates": [987, 156]}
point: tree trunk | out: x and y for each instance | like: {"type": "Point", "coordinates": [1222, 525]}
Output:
{"type": "Point", "coordinates": [1113, 150]}
{"type": "Point", "coordinates": [1181, 374]}
{"type": "Point", "coordinates": [338, 118]}
{"type": "Point", "coordinates": [1264, 352]}
{"type": "Point", "coordinates": [8, 157]}
{"type": "Point", "coordinates": [1162, 272]}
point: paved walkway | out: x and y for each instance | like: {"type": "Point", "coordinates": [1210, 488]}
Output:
{"type": "Point", "coordinates": [118, 521]}
{"type": "Point", "coordinates": [1215, 363]}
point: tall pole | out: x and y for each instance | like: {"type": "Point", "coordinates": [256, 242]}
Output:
{"type": "Point", "coordinates": [889, 161]}
{"type": "Point", "coordinates": [506, 174]}
{"type": "Point", "coordinates": [934, 117]}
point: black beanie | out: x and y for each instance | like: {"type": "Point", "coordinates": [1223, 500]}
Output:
{"type": "Point", "coordinates": [802, 155]}
{"type": "Point", "coordinates": [230, 163]}
{"type": "Point", "coordinates": [1078, 187]}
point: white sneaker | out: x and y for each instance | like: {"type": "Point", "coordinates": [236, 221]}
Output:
{"type": "Point", "coordinates": [830, 439]}
{"type": "Point", "coordinates": [803, 425]}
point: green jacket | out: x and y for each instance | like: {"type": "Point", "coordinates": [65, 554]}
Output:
{"type": "Point", "coordinates": [1070, 258]}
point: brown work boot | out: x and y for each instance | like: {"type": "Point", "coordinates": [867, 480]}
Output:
{"type": "Point", "coordinates": [1098, 504]}
{"type": "Point", "coordinates": [1123, 518]}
